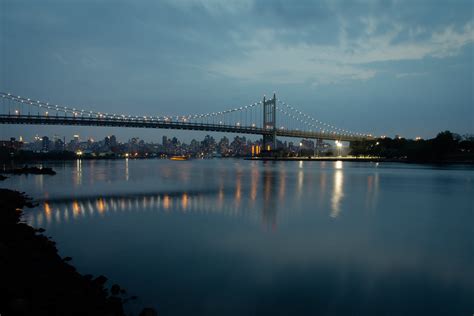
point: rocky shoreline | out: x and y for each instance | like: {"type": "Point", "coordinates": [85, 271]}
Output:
{"type": "Point", "coordinates": [30, 170]}
{"type": "Point", "coordinates": [35, 280]}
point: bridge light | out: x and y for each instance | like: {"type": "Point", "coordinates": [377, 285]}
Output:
{"type": "Point", "coordinates": [16, 112]}
{"type": "Point", "coordinates": [46, 113]}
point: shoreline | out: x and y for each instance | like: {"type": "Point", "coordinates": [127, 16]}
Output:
{"type": "Point", "coordinates": [37, 281]}
{"type": "Point", "coordinates": [360, 159]}
{"type": "Point", "coordinates": [350, 159]}
{"type": "Point", "coordinates": [372, 159]}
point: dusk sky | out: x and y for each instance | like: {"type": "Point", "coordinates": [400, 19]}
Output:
{"type": "Point", "coordinates": [380, 67]}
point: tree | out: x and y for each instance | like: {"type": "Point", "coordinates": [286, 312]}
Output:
{"type": "Point", "coordinates": [444, 144]}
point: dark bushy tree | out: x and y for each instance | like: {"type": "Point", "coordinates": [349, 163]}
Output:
{"type": "Point", "coordinates": [446, 146]}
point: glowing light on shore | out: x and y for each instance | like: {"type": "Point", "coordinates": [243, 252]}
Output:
{"type": "Point", "coordinates": [184, 201]}
{"type": "Point", "coordinates": [166, 202]}
{"type": "Point", "coordinates": [100, 205]}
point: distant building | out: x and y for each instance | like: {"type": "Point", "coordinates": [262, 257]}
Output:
{"type": "Point", "coordinates": [12, 144]}
{"type": "Point", "coordinates": [307, 144]}
{"type": "Point", "coordinates": [45, 144]}
{"type": "Point", "coordinates": [113, 141]}
{"type": "Point", "coordinates": [59, 145]}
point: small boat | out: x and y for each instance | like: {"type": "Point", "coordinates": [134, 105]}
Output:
{"type": "Point", "coordinates": [179, 158]}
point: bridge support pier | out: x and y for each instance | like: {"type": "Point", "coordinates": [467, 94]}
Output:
{"type": "Point", "coordinates": [319, 145]}
{"type": "Point", "coordinates": [269, 123]}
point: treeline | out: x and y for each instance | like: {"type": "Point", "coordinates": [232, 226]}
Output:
{"type": "Point", "coordinates": [445, 147]}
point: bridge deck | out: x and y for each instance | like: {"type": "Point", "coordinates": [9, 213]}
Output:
{"type": "Point", "coordinates": [144, 123]}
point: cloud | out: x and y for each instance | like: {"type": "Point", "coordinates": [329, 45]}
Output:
{"type": "Point", "coordinates": [410, 74]}
{"type": "Point", "coordinates": [214, 7]}
{"type": "Point", "coordinates": [268, 58]}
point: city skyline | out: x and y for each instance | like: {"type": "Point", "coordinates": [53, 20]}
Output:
{"type": "Point", "coordinates": [208, 147]}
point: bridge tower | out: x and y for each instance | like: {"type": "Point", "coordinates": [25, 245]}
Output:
{"type": "Point", "coordinates": [269, 123]}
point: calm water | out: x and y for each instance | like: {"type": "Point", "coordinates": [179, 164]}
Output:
{"type": "Point", "coordinates": [234, 237]}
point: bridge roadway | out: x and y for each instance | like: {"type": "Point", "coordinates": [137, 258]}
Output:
{"type": "Point", "coordinates": [152, 123]}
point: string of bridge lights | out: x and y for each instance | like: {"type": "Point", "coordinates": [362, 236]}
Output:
{"type": "Point", "coordinates": [317, 123]}
{"type": "Point", "coordinates": [215, 114]}
{"type": "Point", "coordinates": [82, 112]}
{"type": "Point", "coordinates": [329, 129]}
{"type": "Point", "coordinates": [287, 109]}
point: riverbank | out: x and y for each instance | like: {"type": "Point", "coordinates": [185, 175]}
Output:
{"type": "Point", "coordinates": [35, 280]}
{"type": "Point", "coordinates": [362, 159]}
{"type": "Point", "coordinates": [367, 159]}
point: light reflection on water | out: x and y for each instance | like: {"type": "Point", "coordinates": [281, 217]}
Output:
{"type": "Point", "coordinates": [233, 237]}
{"type": "Point", "coordinates": [101, 206]}
{"type": "Point", "coordinates": [273, 186]}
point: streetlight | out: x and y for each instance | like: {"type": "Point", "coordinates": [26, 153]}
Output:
{"type": "Point", "coordinates": [339, 146]}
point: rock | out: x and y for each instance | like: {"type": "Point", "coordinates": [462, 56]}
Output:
{"type": "Point", "coordinates": [36, 280]}
{"type": "Point", "coordinates": [148, 312]}
{"type": "Point", "coordinates": [115, 289]}
{"type": "Point", "coordinates": [100, 280]}
{"type": "Point", "coordinates": [88, 276]}
{"type": "Point", "coordinates": [19, 305]}
{"type": "Point", "coordinates": [3, 250]}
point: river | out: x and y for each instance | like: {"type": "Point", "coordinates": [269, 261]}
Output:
{"type": "Point", "coordinates": [236, 237]}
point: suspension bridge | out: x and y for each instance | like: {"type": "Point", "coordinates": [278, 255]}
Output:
{"type": "Point", "coordinates": [259, 118]}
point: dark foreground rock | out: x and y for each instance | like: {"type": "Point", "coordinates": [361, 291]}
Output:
{"type": "Point", "coordinates": [31, 170]}
{"type": "Point", "coordinates": [35, 280]}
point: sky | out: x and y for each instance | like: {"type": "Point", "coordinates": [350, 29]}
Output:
{"type": "Point", "coordinates": [395, 67]}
